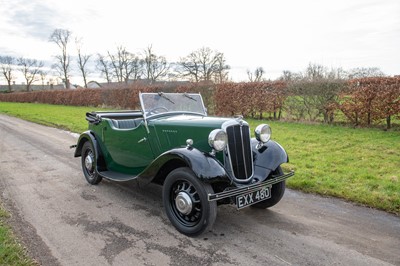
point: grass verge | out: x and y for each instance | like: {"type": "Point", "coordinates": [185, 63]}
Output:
{"type": "Point", "coordinates": [360, 165]}
{"type": "Point", "coordinates": [64, 117]}
{"type": "Point", "coordinates": [11, 253]}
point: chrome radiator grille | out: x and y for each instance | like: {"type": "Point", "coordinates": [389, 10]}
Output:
{"type": "Point", "coordinates": [239, 151]}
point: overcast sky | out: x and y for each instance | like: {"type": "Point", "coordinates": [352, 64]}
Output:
{"type": "Point", "coordinates": [276, 35]}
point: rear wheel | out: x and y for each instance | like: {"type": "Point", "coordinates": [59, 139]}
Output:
{"type": "Point", "coordinates": [277, 192]}
{"type": "Point", "coordinates": [88, 161]}
{"type": "Point", "coordinates": [186, 203]}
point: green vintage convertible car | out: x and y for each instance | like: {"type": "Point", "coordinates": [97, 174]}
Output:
{"type": "Point", "coordinates": [200, 161]}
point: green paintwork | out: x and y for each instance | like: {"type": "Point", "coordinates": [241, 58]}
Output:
{"type": "Point", "coordinates": [131, 150]}
{"type": "Point", "coordinates": [172, 132]}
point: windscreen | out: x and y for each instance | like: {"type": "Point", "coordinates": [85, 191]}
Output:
{"type": "Point", "coordinates": [156, 103]}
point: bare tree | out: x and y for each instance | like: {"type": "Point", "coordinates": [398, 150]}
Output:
{"type": "Point", "coordinates": [203, 65]}
{"type": "Point", "coordinates": [43, 76]}
{"type": "Point", "coordinates": [30, 69]}
{"type": "Point", "coordinates": [315, 72]}
{"type": "Point", "coordinates": [155, 66]}
{"type": "Point", "coordinates": [257, 75]}
{"type": "Point", "coordinates": [221, 69]}
{"type": "Point", "coordinates": [116, 63]}
{"type": "Point", "coordinates": [290, 76]}
{"type": "Point", "coordinates": [365, 72]}
{"type": "Point", "coordinates": [124, 65]}
{"type": "Point", "coordinates": [132, 66]}
{"type": "Point", "coordinates": [104, 66]}
{"type": "Point", "coordinates": [82, 61]}
{"type": "Point", "coordinates": [189, 67]}
{"type": "Point", "coordinates": [336, 73]}
{"type": "Point", "coordinates": [7, 64]}
{"type": "Point", "coordinates": [61, 38]}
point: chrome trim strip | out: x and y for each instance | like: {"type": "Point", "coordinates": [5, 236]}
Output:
{"type": "Point", "coordinates": [244, 158]}
{"type": "Point", "coordinates": [250, 188]}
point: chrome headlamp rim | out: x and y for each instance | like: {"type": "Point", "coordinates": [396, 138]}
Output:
{"type": "Point", "coordinates": [263, 133]}
{"type": "Point", "coordinates": [217, 139]}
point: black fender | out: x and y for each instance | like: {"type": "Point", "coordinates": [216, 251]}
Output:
{"type": "Point", "coordinates": [86, 136]}
{"type": "Point", "coordinates": [91, 136]}
{"type": "Point", "coordinates": [206, 167]}
{"type": "Point", "coordinates": [267, 158]}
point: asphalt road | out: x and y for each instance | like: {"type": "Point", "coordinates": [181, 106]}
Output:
{"type": "Point", "coordinates": [62, 220]}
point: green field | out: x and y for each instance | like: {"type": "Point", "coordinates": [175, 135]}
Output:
{"type": "Point", "coordinates": [59, 116]}
{"type": "Point", "coordinates": [359, 165]}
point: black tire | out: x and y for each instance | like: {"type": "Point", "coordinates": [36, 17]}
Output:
{"type": "Point", "coordinates": [88, 161]}
{"type": "Point", "coordinates": [277, 192]}
{"type": "Point", "coordinates": [186, 202]}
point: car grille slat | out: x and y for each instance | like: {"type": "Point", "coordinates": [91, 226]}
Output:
{"type": "Point", "coordinates": [239, 151]}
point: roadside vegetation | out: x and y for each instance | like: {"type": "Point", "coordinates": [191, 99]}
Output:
{"type": "Point", "coordinates": [360, 165]}
{"type": "Point", "coordinates": [357, 164]}
{"type": "Point", "coordinates": [58, 116]}
{"type": "Point", "coordinates": [11, 252]}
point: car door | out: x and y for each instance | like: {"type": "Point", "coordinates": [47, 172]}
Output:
{"type": "Point", "coordinates": [129, 149]}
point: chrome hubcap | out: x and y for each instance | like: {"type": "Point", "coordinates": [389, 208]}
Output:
{"type": "Point", "coordinates": [89, 162]}
{"type": "Point", "coordinates": [184, 203]}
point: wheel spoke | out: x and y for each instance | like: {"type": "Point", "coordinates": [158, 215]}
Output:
{"type": "Point", "coordinates": [196, 201]}
{"type": "Point", "coordinates": [88, 162]}
{"type": "Point", "coordinates": [194, 216]}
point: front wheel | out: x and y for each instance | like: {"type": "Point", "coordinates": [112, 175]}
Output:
{"type": "Point", "coordinates": [277, 191]}
{"type": "Point", "coordinates": [186, 203]}
{"type": "Point", "coordinates": [88, 162]}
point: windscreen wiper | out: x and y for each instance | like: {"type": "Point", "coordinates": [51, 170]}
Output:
{"type": "Point", "coordinates": [161, 94]}
{"type": "Point", "coordinates": [190, 97]}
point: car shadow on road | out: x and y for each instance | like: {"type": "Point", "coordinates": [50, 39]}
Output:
{"type": "Point", "coordinates": [229, 219]}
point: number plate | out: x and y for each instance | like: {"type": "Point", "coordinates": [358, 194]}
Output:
{"type": "Point", "coordinates": [252, 197]}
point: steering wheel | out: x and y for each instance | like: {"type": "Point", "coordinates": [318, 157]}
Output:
{"type": "Point", "coordinates": [153, 111]}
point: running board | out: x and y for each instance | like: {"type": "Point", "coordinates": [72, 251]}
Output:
{"type": "Point", "coordinates": [115, 176]}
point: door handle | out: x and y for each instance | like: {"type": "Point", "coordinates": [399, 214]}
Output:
{"type": "Point", "coordinates": [143, 139]}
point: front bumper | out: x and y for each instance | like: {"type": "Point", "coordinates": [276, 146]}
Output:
{"type": "Point", "coordinates": [250, 188]}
